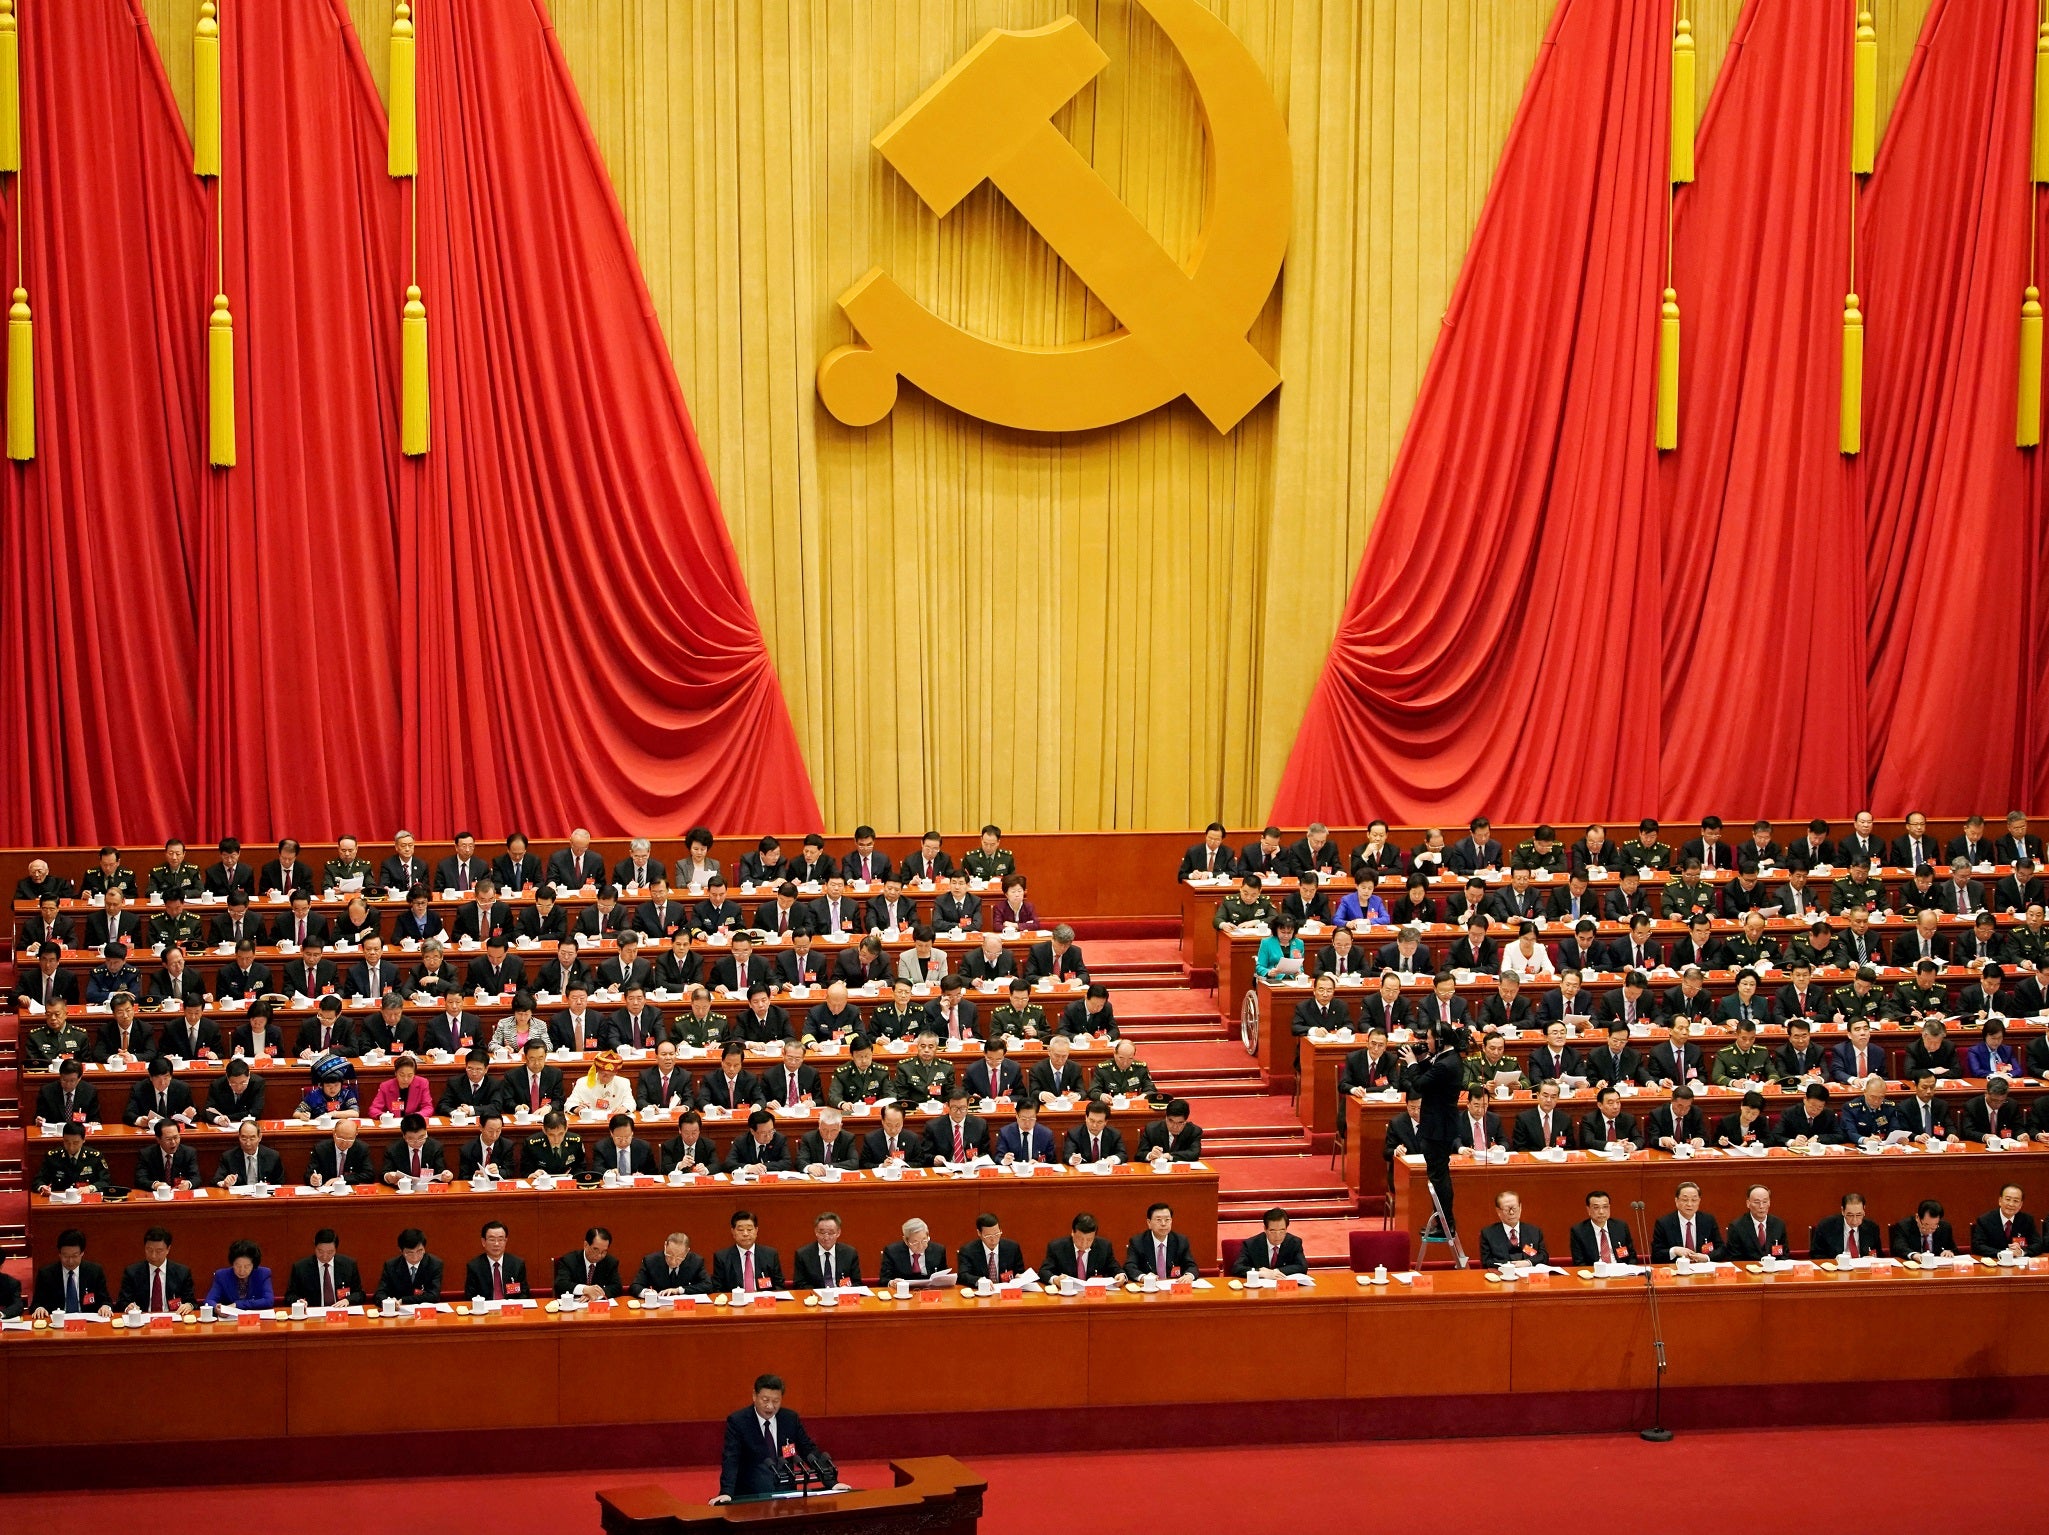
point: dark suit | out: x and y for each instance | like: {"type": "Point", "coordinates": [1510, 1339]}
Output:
{"type": "Point", "coordinates": [48, 1294]}
{"type": "Point", "coordinates": [150, 1167]}
{"type": "Point", "coordinates": [504, 1158]}
{"type": "Point", "coordinates": [477, 1283]}
{"type": "Point", "coordinates": [897, 1262]}
{"type": "Point", "coordinates": [1009, 1142]}
{"type": "Point", "coordinates": [726, 1271]}
{"type": "Point", "coordinates": [1595, 1130]}
{"type": "Point", "coordinates": [810, 1266]}
{"type": "Point", "coordinates": [974, 1262]}
{"type": "Point", "coordinates": [136, 1284]}
{"type": "Point", "coordinates": [846, 1151]}
{"type": "Point", "coordinates": [416, 1288]}
{"type": "Point", "coordinates": [1665, 1235]}
{"type": "Point", "coordinates": [1061, 1260]}
{"type": "Point", "coordinates": [572, 870]}
{"type": "Point", "coordinates": [326, 1163]}
{"type": "Point", "coordinates": [939, 1137]}
{"type": "Point", "coordinates": [1495, 1248]}
{"type": "Point", "coordinates": [772, 1155]}
{"type": "Point", "coordinates": [1829, 1239]}
{"type": "Point", "coordinates": [573, 1269]}
{"type": "Point", "coordinates": [1530, 1135]}
{"type": "Point", "coordinates": [516, 1088]}
{"type": "Point", "coordinates": [1989, 1237]}
{"type": "Point", "coordinates": [305, 1281]}
{"type": "Point", "coordinates": [1039, 961]}
{"type": "Point", "coordinates": [875, 1148]}
{"type": "Point", "coordinates": [1077, 1143]}
{"type": "Point", "coordinates": [1907, 1237]}
{"type": "Point", "coordinates": [1740, 1242]}
{"type": "Point", "coordinates": [655, 1274]}
{"type": "Point", "coordinates": [1202, 859]}
{"type": "Point", "coordinates": [748, 1466]}
{"type": "Point", "coordinates": [1257, 1254]}
{"type": "Point", "coordinates": [604, 1158]}
{"type": "Point", "coordinates": [1586, 1242]}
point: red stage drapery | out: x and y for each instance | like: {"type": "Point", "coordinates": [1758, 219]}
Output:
{"type": "Point", "coordinates": [1942, 250]}
{"type": "Point", "coordinates": [96, 595]}
{"type": "Point", "coordinates": [299, 619]}
{"type": "Point", "coordinates": [1500, 649]}
{"type": "Point", "coordinates": [562, 541]}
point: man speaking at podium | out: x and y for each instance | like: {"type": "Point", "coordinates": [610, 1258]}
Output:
{"type": "Point", "coordinates": [759, 1437]}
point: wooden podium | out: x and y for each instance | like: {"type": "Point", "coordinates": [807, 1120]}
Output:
{"type": "Point", "coordinates": [935, 1495]}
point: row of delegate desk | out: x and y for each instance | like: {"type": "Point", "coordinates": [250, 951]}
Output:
{"type": "Point", "coordinates": [1451, 1352]}
{"type": "Point", "coordinates": [1281, 1054]}
{"type": "Point", "coordinates": [545, 1223]}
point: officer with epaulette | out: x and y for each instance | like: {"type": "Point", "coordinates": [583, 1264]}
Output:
{"type": "Point", "coordinates": [74, 1165]}
{"type": "Point", "coordinates": [174, 873]}
{"type": "Point", "coordinates": [1814, 946]}
{"type": "Point", "coordinates": [1858, 888]}
{"type": "Point", "coordinates": [1753, 950]}
{"type": "Point", "coordinates": [1541, 852]}
{"type": "Point", "coordinates": [992, 860]}
{"type": "Point", "coordinates": [697, 1024]}
{"type": "Point", "coordinates": [1687, 894]}
{"type": "Point", "coordinates": [1020, 1017]}
{"type": "Point", "coordinates": [110, 874]}
{"type": "Point", "coordinates": [1246, 904]}
{"type": "Point", "coordinates": [861, 1080]}
{"type": "Point", "coordinates": [174, 927]}
{"type": "Point", "coordinates": [1479, 1070]}
{"type": "Point", "coordinates": [554, 1151]}
{"type": "Point", "coordinates": [1646, 855]}
{"type": "Point", "coordinates": [1745, 1060]}
{"type": "Point", "coordinates": [899, 1017]}
{"type": "Point", "coordinates": [1859, 1002]}
{"type": "Point", "coordinates": [53, 1039]}
{"type": "Point", "coordinates": [924, 1075]}
{"type": "Point", "coordinates": [2030, 941]}
{"type": "Point", "coordinates": [1122, 1075]}
{"type": "Point", "coordinates": [350, 865]}
{"type": "Point", "coordinates": [1921, 995]}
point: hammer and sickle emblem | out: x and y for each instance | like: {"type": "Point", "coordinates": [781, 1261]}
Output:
{"type": "Point", "coordinates": [1182, 324]}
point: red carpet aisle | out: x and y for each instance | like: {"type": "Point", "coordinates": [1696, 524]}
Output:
{"type": "Point", "coordinates": [1248, 1492]}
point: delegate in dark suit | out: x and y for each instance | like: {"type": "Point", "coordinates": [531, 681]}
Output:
{"type": "Point", "coordinates": [974, 1262]}
{"type": "Point", "coordinates": [726, 1271]}
{"type": "Point", "coordinates": [410, 1286]}
{"type": "Point", "coordinates": [1666, 1234]}
{"type": "Point", "coordinates": [1142, 1256]}
{"type": "Point", "coordinates": [1989, 1235]}
{"type": "Point", "coordinates": [1742, 1244]}
{"type": "Point", "coordinates": [574, 1269]}
{"type": "Point", "coordinates": [1586, 1242]}
{"type": "Point", "coordinates": [48, 1293]}
{"type": "Point", "coordinates": [1257, 1253]}
{"type": "Point", "coordinates": [846, 1266]}
{"type": "Point", "coordinates": [1496, 1250]}
{"type": "Point", "coordinates": [748, 1467]}
{"type": "Point", "coordinates": [655, 1274]}
{"type": "Point", "coordinates": [898, 1262]}
{"type": "Point", "coordinates": [305, 1281]}
{"type": "Point", "coordinates": [1061, 1260]}
{"type": "Point", "coordinates": [1908, 1237]}
{"type": "Point", "coordinates": [1830, 1238]}
{"type": "Point", "coordinates": [135, 1287]}
{"type": "Point", "coordinates": [477, 1280]}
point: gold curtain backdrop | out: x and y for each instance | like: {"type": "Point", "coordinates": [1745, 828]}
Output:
{"type": "Point", "coordinates": [1116, 628]}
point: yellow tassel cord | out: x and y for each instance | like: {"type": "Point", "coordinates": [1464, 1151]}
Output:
{"type": "Point", "coordinates": [10, 91]}
{"type": "Point", "coordinates": [2028, 428]}
{"type": "Point", "coordinates": [1864, 96]}
{"type": "Point", "coordinates": [21, 379]}
{"type": "Point", "coordinates": [402, 141]}
{"type": "Point", "coordinates": [1853, 376]}
{"type": "Point", "coordinates": [413, 434]}
{"type": "Point", "coordinates": [1668, 372]}
{"type": "Point", "coordinates": [1682, 101]}
{"type": "Point", "coordinates": [220, 385]}
{"type": "Point", "coordinates": [206, 92]}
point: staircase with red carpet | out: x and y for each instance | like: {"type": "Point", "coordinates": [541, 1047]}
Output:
{"type": "Point", "coordinates": [1253, 1137]}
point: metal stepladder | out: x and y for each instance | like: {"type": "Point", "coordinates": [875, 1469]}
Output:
{"type": "Point", "coordinates": [1438, 1229]}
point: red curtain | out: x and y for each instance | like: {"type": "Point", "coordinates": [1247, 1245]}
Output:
{"type": "Point", "coordinates": [1943, 251]}
{"type": "Point", "coordinates": [580, 647]}
{"type": "Point", "coordinates": [96, 594]}
{"type": "Point", "coordinates": [299, 617]}
{"type": "Point", "coordinates": [1763, 588]}
{"type": "Point", "coordinates": [1500, 649]}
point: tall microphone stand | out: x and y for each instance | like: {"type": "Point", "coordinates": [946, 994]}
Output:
{"type": "Point", "coordinates": [1657, 1433]}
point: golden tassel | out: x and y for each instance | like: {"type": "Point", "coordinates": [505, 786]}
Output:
{"type": "Point", "coordinates": [2028, 428]}
{"type": "Point", "coordinates": [1864, 96]}
{"type": "Point", "coordinates": [1682, 101]}
{"type": "Point", "coordinates": [10, 90]}
{"type": "Point", "coordinates": [2041, 172]}
{"type": "Point", "coordinates": [1668, 372]}
{"type": "Point", "coordinates": [413, 436]}
{"type": "Point", "coordinates": [206, 92]}
{"type": "Point", "coordinates": [1853, 375]}
{"type": "Point", "coordinates": [220, 384]}
{"type": "Point", "coordinates": [402, 140]}
{"type": "Point", "coordinates": [21, 378]}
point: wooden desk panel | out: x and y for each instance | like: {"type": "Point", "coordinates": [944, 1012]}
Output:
{"type": "Point", "coordinates": [606, 1374]}
{"type": "Point", "coordinates": [546, 1225]}
{"type": "Point", "coordinates": [1439, 1341]}
{"type": "Point", "coordinates": [1262, 1349]}
{"type": "Point", "coordinates": [1000, 1354]}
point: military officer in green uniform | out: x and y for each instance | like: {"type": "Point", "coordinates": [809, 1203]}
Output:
{"type": "Point", "coordinates": [1122, 1073]}
{"type": "Point", "coordinates": [861, 1079]}
{"type": "Point", "coordinates": [1753, 950]}
{"type": "Point", "coordinates": [924, 1075]}
{"type": "Point", "coordinates": [899, 1017]}
{"type": "Point", "coordinates": [554, 1151]}
{"type": "Point", "coordinates": [2029, 942]}
{"type": "Point", "coordinates": [1921, 995]}
{"type": "Point", "coordinates": [1646, 855]}
{"type": "Point", "coordinates": [1858, 888]}
{"type": "Point", "coordinates": [1493, 1057]}
{"type": "Point", "coordinates": [1745, 1059]}
{"type": "Point", "coordinates": [174, 927]}
{"type": "Point", "coordinates": [697, 1024]}
{"type": "Point", "coordinates": [175, 873]}
{"type": "Point", "coordinates": [1542, 852]}
{"type": "Point", "coordinates": [110, 874]}
{"type": "Point", "coordinates": [1859, 1002]}
{"type": "Point", "coordinates": [1815, 947]}
{"type": "Point", "coordinates": [350, 865]}
{"type": "Point", "coordinates": [1020, 1017]}
{"type": "Point", "coordinates": [991, 860]}
{"type": "Point", "coordinates": [53, 1039]}
{"type": "Point", "coordinates": [1246, 904]}
{"type": "Point", "coordinates": [73, 1165]}
{"type": "Point", "coordinates": [1687, 894]}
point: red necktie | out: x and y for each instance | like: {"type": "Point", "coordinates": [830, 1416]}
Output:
{"type": "Point", "coordinates": [1686, 1237]}
{"type": "Point", "coordinates": [1160, 1257]}
{"type": "Point", "coordinates": [960, 1145]}
{"type": "Point", "coordinates": [416, 1161]}
{"type": "Point", "coordinates": [533, 1091]}
{"type": "Point", "coordinates": [918, 1263]}
{"type": "Point", "coordinates": [2009, 1230]}
{"type": "Point", "coordinates": [156, 1290]}
{"type": "Point", "coordinates": [497, 1281]}
{"type": "Point", "coordinates": [1853, 1241]}
{"type": "Point", "coordinates": [747, 1269]}
{"type": "Point", "coordinates": [327, 1284]}
{"type": "Point", "coordinates": [1607, 1249]}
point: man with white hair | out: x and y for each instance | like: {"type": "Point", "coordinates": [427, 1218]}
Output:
{"type": "Point", "coordinates": [576, 865]}
{"type": "Point", "coordinates": [639, 868]}
{"type": "Point", "coordinates": [917, 1258]}
{"type": "Point", "coordinates": [405, 867]}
